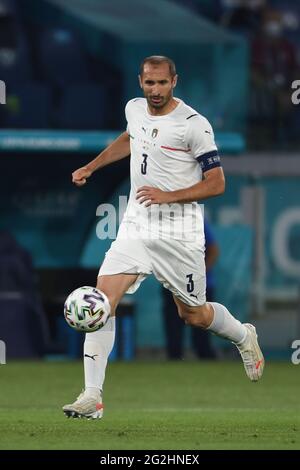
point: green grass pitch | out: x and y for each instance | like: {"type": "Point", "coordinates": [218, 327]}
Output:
{"type": "Point", "coordinates": [150, 405]}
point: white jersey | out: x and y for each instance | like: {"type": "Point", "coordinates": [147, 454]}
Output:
{"type": "Point", "coordinates": [168, 152]}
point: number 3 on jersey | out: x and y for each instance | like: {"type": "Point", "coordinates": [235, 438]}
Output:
{"type": "Point", "coordinates": [144, 164]}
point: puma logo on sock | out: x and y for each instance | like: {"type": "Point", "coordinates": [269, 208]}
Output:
{"type": "Point", "coordinates": [92, 357]}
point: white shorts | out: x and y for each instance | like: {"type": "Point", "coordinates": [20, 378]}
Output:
{"type": "Point", "coordinates": [179, 266]}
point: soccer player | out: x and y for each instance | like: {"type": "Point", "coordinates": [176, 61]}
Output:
{"type": "Point", "coordinates": [174, 164]}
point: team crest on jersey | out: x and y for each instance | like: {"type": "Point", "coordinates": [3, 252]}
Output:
{"type": "Point", "coordinates": [154, 133]}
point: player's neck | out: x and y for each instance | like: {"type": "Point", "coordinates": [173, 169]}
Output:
{"type": "Point", "coordinates": [168, 108]}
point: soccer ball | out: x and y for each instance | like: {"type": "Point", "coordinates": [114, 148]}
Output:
{"type": "Point", "coordinates": [87, 309]}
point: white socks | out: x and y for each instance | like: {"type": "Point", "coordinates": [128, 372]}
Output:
{"type": "Point", "coordinates": [97, 347]}
{"type": "Point", "coordinates": [225, 325]}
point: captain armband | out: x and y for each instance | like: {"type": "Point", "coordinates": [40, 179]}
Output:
{"type": "Point", "coordinates": [209, 160]}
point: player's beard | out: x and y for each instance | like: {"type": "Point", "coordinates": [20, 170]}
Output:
{"type": "Point", "coordinates": [161, 103]}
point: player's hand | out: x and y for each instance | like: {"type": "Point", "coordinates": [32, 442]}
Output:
{"type": "Point", "coordinates": [152, 196]}
{"type": "Point", "coordinates": [80, 176]}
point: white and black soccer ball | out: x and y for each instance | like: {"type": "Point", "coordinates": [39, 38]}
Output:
{"type": "Point", "coordinates": [86, 309]}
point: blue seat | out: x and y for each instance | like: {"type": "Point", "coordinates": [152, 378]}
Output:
{"type": "Point", "coordinates": [83, 107]}
{"type": "Point", "coordinates": [62, 58]}
{"type": "Point", "coordinates": [28, 106]}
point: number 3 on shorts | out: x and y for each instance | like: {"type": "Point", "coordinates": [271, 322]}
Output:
{"type": "Point", "coordinates": [190, 285]}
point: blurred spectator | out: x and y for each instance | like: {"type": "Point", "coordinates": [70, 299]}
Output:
{"type": "Point", "coordinates": [23, 324]}
{"type": "Point", "coordinates": [244, 16]}
{"type": "Point", "coordinates": [211, 9]}
{"type": "Point", "coordinates": [274, 67]}
{"type": "Point", "coordinates": [174, 325]}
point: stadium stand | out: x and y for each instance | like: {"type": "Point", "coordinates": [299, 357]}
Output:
{"type": "Point", "coordinates": [90, 99]}
{"type": "Point", "coordinates": [62, 58]}
{"type": "Point", "coordinates": [20, 113]}
{"type": "Point", "coordinates": [19, 302]}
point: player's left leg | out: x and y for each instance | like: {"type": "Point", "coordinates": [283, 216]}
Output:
{"type": "Point", "coordinates": [180, 267]}
{"type": "Point", "coordinates": [216, 318]}
{"type": "Point", "coordinates": [97, 347]}
{"type": "Point", "coordinates": [173, 326]}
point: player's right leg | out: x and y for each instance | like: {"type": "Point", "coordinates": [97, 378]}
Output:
{"type": "Point", "coordinates": [114, 287]}
{"type": "Point", "coordinates": [97, 347]}
{"type": "Point", "coordinates": [125, 265]}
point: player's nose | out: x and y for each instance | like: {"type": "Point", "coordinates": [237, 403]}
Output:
{"type": "Point", "coordinates": [155, 91]}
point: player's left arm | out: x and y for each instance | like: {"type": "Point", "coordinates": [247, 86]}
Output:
{"type": "Point", "coordinates": [213, 184]}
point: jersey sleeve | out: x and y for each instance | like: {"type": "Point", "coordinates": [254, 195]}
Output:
{"type": "Point", "coordinates": [200, 139]}
{"type": "Point", "coordinates": [128, 115]}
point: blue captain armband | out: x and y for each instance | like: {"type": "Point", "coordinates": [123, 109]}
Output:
{"type": "Point", "coordinates": [209, 160]}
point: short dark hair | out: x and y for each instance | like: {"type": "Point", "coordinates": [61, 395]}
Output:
{"type": "Point", "coordinates": [157, 60]}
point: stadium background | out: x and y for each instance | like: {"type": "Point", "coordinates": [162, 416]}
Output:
{"type": "Point", "coordinates": [69, 68]}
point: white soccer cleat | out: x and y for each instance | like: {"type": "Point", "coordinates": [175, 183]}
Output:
{"type": "Point", "coordinates": [251, 354]}
{"type": "Point", "coordinates": [84, 407]}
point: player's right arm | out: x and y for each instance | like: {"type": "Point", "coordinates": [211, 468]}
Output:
{"type": "Point", "coordinates": [118, 149]}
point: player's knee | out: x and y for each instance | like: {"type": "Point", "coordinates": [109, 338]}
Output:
{"type": "Point", "coordinates": [194, 317]}
{"type": "Point", "coordinates": [194, 320]}
{"type": "Point", "coordinates": [113, 301]}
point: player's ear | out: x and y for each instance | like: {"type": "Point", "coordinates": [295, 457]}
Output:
{"type": "Point", "coordinates": [174, 81]}
{"type": "Point", "coordinates": [140, 81]}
